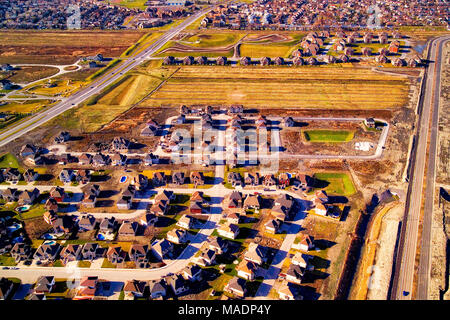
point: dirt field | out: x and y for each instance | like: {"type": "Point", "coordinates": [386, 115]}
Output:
{"type": "Point", "coordinates": [299, 88]}
{"type": "Point", "coordinates": [62, 47]}
{"type": "Point", "coordinates": [294, 140]}
{"type": "Point", "coordinates": [29, 74]}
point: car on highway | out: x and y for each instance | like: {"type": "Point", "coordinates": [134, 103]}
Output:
{"type": "Point", "coordinates": [5, 268]}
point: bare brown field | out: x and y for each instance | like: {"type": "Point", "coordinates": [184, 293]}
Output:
{"type": "Point", "coordinates": [300, 88]}
{"type": "Point", "coordinates": [62, 47]}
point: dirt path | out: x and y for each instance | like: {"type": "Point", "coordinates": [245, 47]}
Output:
{"type": "Point", "coordinates": [368, 278]}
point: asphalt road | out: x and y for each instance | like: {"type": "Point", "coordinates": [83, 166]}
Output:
{"type": "Point", "coordinates": [406, 257]}
{"type": "Point", "coordinates": [425, 248]}
{"type": "Point", "coordinates": [95, 87]}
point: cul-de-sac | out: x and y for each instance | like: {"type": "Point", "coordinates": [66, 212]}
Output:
{"type": "Point", "coordinates": [220, 150]}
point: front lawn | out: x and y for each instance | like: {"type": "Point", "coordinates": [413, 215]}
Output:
{"type": "Point", "coordinates": [328, 135]}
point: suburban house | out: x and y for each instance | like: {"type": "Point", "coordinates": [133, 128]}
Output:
{"type": "Point", "coordinates": [57, 193]}
{"type": "Point", "coordinates": [234, 200]}
{"type": "Point", "coordinates": [85, 159]}
{"type": "Point", "coordinates": [232, 217]}
{"type": "Point", "coordinates": [286, 291]}
{"type": "Point", "coordinates": [197, 179]}
{"type": "Point", "coordinates": [206, 258]}
{"type": "Point", "coordinates": [29, 197]}
{"type": "Point", "coordinates": [301, 259]}
{"type": "Point", "coordinates": [51, 205]}
{"type": "Point", "coordinates": [134, 289]}
{"type": "Point", "coordinates": [251, 179]}
{"type": "Point", "coordinates": [247, 270]}
{"type": "Point", "coordinates": [139, 254]}
{"type": "Point", "coordinates": [162, 248]}
{"type": "Point", "coordinates": [156, 288]}
{"type": "Point", "coordinates": [50, 217]}
{"type": "Point", "coordinates": [178, 178]}
{"type": "Point", "coordinates": [20, 251]}
{"type": "Point", "coordinates": [47, 251]}
{"type": "Point", "coordinates": [159, 208]}
{"type": "Point", "coordinates": [236, 286]}
{"type": "Point", "coordinates": [151, 159]}
{"type": "Point", "coordinates": [10, 194]}
{"type": "Point", "coordinates": [217, 244]}
{"type": "Point", "coordinates": [235, 179]}
{"type": "Point", "coordinates": [192, 273]}
{"type": "Point", "coordinates": [196, 207]}
{"type": "Point", "coordinates": [63, 224]}
{"type": "Point", "coordinates": [141, 182]}
{"type": "Point", "coordinates": [228, 230]}
{"type": "Point", "coordinates": [30, 175]}
{"type": "Point", "coordinates": [87, 223]}
{"type": "Point", "coordinates": [88, 287]}
{"type": "Point", "coordinates": [269, 180]}
{"type": "Point", "coordinates": [177, 236]}
{"type": "Point", "coordinates": [92, 251]}
{"type": "Point", "coordinates": [177, 283]}
{"type": "Point", "coordinates": [303, 242]}
{"type": "Point", "coordinates": [128, 229]}
{"type": "Point", "coordinates": [118, 159]}
{"type": "Point", "coordinates": [295, 273]}
{"type": "Point", "coordinates": [6, 287]}
{"type": "Point", "coordinates": [159, 179]}
{"type": "Point", "coordinates": [44, 284]}
{"type": "Point", "coordinates": [116, 255]}
{"type": "Point", "coordinates": [186, 222]}
{"type": "Point", "coordinates": [148, 219]}
{"type": "Point", "coordinates": [66, 176]}
{"type": "Point", "coordinates": [62, 137]}
{"type": "Point", "coordinates": [272, 226]}
{"type": "Point", "coordinates": [107, 225]}
{"type": "Point", "coordinates": [71, 252]}
{"type": "Point", "coordinates": [256, 253]}
{"type": "Point", "coordinates": [252, 201]}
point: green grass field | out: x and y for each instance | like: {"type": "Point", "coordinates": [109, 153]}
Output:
{"type": "Point", "coordinates": [339, 183]}
{"type": "Point", "coordinates": [8, 160]}
{"type": "Point", "coordinates": [328, 135]}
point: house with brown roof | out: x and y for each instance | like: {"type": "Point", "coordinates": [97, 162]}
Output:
{"type": "Point", "coordinates": [116, 255]}
{"type": "Point", "coordinates": [134, 289]}
{"type": "Point", "coordinates": [71, 252]}
{"type": "Point", "coordinates": [128, 229]}
{"type": "Point", "coordinates": [197, 178]}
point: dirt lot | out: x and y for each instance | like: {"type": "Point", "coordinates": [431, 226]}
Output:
{"type": "Point", "coordinates": [294, 141]}
{"type": "Point", "coordinates": [62, 47]}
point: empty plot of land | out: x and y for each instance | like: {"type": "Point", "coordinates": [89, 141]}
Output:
{"type": "Point", "coordinates": [328, 135]}
{"type": "Point", "coordinates": [303, 87]}
{"type": "Point", "coordinates": [62, 47]}
{"type": "Point", "coordinates": [338, 183]}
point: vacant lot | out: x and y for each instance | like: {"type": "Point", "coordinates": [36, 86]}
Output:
{"type": "Point", "coordinates": [328, 135]}
{"type": "Point", "coordinates": [30, 106]}
{"type": "Point", "coordinates": [303, 87]}
{"type": "Point", "coordinates": [62, 47]}
{"type": "Point", "coordinates": [29, 74]}
{"type": "Point", "coordinates": [339, 183]}
{"type": "Point", "coordinates": [257, 46]}
{"type": "Point", "coordinates": [112, 103]}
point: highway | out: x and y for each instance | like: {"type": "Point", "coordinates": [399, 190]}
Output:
{"type": "Point", "coordinates": [404, 272]}
{"type": "Point", "coordinates": [97, 86]}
